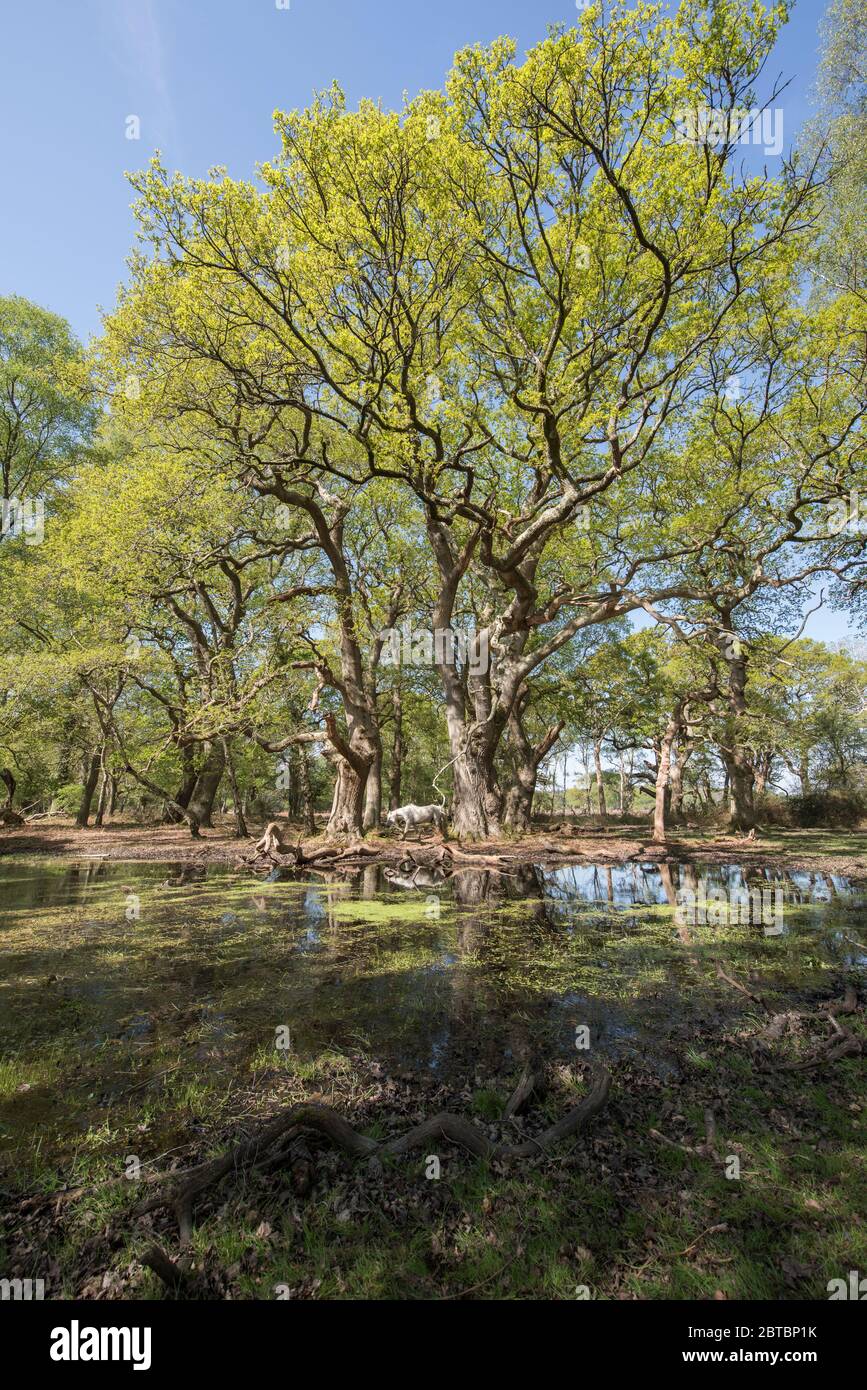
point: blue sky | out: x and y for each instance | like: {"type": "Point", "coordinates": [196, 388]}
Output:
{"type": "Point", "coordinates": [203, 77]}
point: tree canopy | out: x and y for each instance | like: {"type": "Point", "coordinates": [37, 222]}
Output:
{"type": "Point", "coordinates": [506, 370]}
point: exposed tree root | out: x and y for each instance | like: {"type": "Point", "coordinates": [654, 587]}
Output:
{"type": "Point", "coordinates": [847, 1005]}
{"type": "Point", "coordinates": [527, 1084]}
{"type": "Point", "coordinates": [705, 1150]}
{"type": "Point", "coordinates": [736, 984]}
{"type": "Point", "coordinates": [273, 850]}
{"type": "Point", "coordinates": [272, 846]}
{"type": "Point", "coordinates": [179, 1196]}
{"type": "Point", "coordinates": [174, 1276]}
{"type": "Point", "coordinates": [841, 1043]}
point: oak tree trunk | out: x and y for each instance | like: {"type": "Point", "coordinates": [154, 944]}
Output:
{"type": "Point", "coordinates": [347, 805]}
{"type": "Point", "coordinates": [683, 752]}
{"type": "Point", "coordinates": [307, 808]}
{"type": "Point", "coordinates": [741, 779]}
{"type": "Point", "coordinates": [90, 782]}
{"type": "Point", "coordinates": [201, 803]}
{"type": "Point", "coordinates": [663, 772]}
{"type": "Point", "coordinates": [373, 793]}
{"type": "Point", "coordinates": [103, 800]}
{"type": "Point", "coordinates": [7, 777]}
{"type": "Point", "coordinates": [524, 761]}
{"type": "Point", "coordinates": [185, 790]}
{"type": "Point", "coordinates": [741, 774]}
{"type": "Point", "coordinates": [518, 801]}
{"type": "Point", "coordinates": [396, 750]}
{"type": "Point", "coordinates": [600, 784]}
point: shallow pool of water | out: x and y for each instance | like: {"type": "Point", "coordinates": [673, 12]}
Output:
{"type": "Point", "coordinates": [113, 974]}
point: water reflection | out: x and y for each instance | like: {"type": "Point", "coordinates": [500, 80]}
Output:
{"type": "Point", "coordinates": [429, 970]}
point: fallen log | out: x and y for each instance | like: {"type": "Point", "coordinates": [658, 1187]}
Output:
{"type": "Point", "coordinates": [274, 850]}
{"type": "Point", "coordinates": [336, 856]}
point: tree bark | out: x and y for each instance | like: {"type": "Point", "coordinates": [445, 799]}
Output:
{"type": "Point", "coordinates": [354, 756]}
{"type": "Point", "coordinates": [476, 799]}
{"type": "Point", "coordinates": [307, 808]}
{"type": "Point", "coordinates": [373, 793]}
{"type": "Point", "coordinates": [600, 784]}
{"type": "Point", "coordinates": [741, 773]}
{"type": "Point", "coordinates": [103, 797]}
{"type": "Point", "coordinates": [8, 779]}
{"type": "Point", "coordinates": [763, 772]}
{"type": "Point", "coordinates": [201, 803]}
{"type": "Point", "coordinates": [741, 779]}
{"type": "Point", "coordinates": [663, 771]}
{"type": "Point", "coordinates": [241, 831]}
{"type": "Point", "coordinates": [683, 752]}
{"type": "Point", "coordinates": [90, 782]}
{"type": "Point", "coordinates": [396, 749]}
{"type": "Point", "coordinates": [524, 764]}
{"type": "Point", "coordinates": [182, 797]}
{"type": "Point", "coordinates": [347, 804]}
{"type": "Point", "coordinates": [518, 807]}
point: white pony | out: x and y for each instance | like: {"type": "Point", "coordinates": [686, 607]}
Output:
{"type": "Point", "coordinates": [413, 815]}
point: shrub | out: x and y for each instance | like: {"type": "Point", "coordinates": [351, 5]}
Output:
{"type": "Point", "coordinates": [828, 808]}
{"type": "Point", "coordinates": [67, 799]}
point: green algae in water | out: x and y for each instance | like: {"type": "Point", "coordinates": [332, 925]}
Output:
{"type": "Point", "coordinates": [377, 911]}
{"type": "Point", "coordinates": [121, 993]}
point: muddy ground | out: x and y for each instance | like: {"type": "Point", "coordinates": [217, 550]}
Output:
{"type": "Point", "coordinates": [818, 851]}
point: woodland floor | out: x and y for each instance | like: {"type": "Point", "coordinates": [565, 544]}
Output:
{"type": "Point", "coordinates": [616, 1213]}
{"type": "Point", "coordinates": [638, 1205]}
{"type": "Point", "coordinates": [818, 850]}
